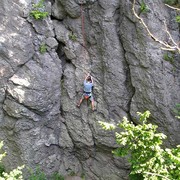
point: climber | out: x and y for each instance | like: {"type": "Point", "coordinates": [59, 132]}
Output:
{"type": "Point", "coordinates": [88, 86]}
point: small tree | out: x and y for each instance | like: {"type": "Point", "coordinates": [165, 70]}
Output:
{"type": "Point", "coordinates": [15, 174]}
{"type": "Point", "coordinates": [147, 158]}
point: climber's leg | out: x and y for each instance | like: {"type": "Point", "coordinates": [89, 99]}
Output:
{"type": "Point", "coordinates": [92, 102]}
{"type": "Point", "coordinates": [81, 100]}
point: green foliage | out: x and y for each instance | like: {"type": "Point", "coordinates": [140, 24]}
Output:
{"type": "Point", "coordinates": [72, 173]}
{"type": "Point", "coordinates": [171, 2]}
{"type": "Point", "coordinates": [42, 48]}
{"type": "Point", "coordinates": [169, 57]}
{"type": "Point", "coordinates": [142, 144]}
{"type": "Point", "coordinates": [177, 111]}
{"type": "Point", "coordinates": [15, 174]}
{"type": "Point", "coordinates": [57, 176]}
{"type": "Point", "coordinates": [143, 8]}
{"type": "Point", "coordinates": [38, 14]}
{"type": "Point", "coordinates": [178, 19]}
{"type": "Point", "coordinates": [37, 175]}
{"type": "Point", "coordinates": [38, 11]}
{"type": "Point", "coordinates": [2, 169]}
{"type": "Point", "coordinates": [107, 126]}
{"type": "Point", "coordinates": [83, 176]}
{"type": "Point", "coordinates": [72, 36]}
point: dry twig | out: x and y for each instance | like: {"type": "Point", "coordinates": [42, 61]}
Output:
{"type": "Point", "coordinates": [165, 45]}
{"type": "Point", "coordinates": [177, 9]}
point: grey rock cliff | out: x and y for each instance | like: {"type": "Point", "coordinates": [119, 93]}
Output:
{"type": "Point", "coordinates": [39, 121]}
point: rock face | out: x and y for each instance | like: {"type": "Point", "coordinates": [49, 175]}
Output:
{"type": "Point", "coordinates": [39, 121]}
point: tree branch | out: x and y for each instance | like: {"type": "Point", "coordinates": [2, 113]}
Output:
{"type": "Point", "coordinates": [172, 7]}
{"type": "Point", "coordinates": [155, 174]}
{"type": "Point", "coordinates": [166, 46]}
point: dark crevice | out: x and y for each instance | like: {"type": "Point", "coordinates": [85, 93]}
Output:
{"type": "Point", "coordinates": [131, 90]}
{"type": "Point", "coordinates": [62, 87]}
{"type": "Point", "coordinates": [61, 111]}
{"type": "Point", "coordinates": [54, 18]}
{"type": "Point", "coordinates": [60, 51]}
{"type": "Point", "coordinates": [117, 19]}
{"type": "Point", "coordinates": [4, 99]}
{"type": "Point", "coordinates": [129, 86]}
{"type": "Point", "coordinates": [74, 144]}
{"type": "Point", "coordinates": [62, 56]}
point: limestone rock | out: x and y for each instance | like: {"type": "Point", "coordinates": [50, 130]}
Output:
{"type": "Point", "coordinates": [52, 43]}
{"type": "Point", "coordinates": [39, 89]}
{"type": "Point", "coordinates": [58, 11]}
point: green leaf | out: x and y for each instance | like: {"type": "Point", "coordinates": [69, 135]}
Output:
{"type": "Point", "coordinates": [107, 126]}
{"type": "Point", "coordinates": [178, 19]}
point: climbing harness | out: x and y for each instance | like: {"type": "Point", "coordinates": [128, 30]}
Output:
{"type": "Point", "coordinates": [87, 95]}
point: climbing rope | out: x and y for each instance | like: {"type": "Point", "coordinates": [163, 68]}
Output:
{"type": "Point", "coordinates": [84, 47]}
{"type": "Point", "coordinates": [82, 26]}
{"type": "Point", "coordinates": [85, 52]}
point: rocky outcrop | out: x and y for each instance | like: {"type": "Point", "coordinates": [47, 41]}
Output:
{"type": "Point", "coordinates": [39, 120]}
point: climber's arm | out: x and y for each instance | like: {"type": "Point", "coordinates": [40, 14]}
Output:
{"type": "Point", "coordinates": [92, 80]}
{"type": "Point", "coordinates": [87, 76]}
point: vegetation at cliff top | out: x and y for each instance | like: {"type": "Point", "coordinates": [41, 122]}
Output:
{"type": "Point", "coordinates": [15, 174]}
{"type": "Point", "coordinates": [143, 147]}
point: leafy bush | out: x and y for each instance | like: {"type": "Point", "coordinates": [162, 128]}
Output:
{"type": "Point", "coordinates": [15, 174]}
{"type": "Point", "coordinates": [38, 11]}
{"type": "Point", "coordinates": [149, 161]}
